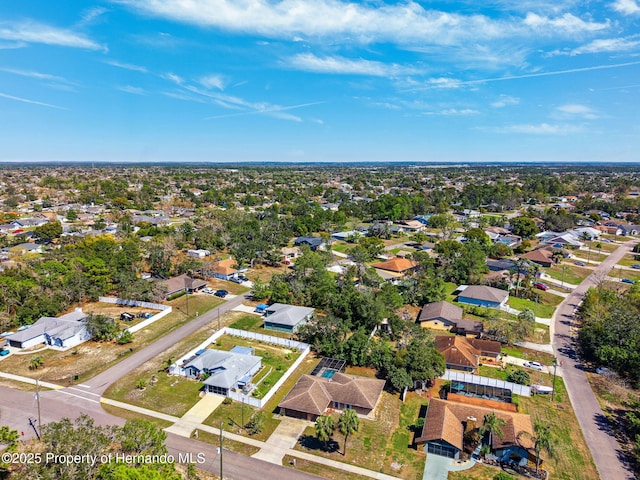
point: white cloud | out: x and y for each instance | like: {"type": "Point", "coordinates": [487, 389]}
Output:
{"type": "Point", "coordinates": [126, 66]}
{"type": "Point", "coordinates": [567, 23]}
{"type": "Point", "coordinates": [32, 32]}
{"type": "Point", "coordinates": [131, 89]}
{"type": "Point", "coordinates": [32, 102]}
{"type": "Point", "coordinates": [177, 79]}
{"type": "Point", "coordinates": [575, 110]}
{"type": "Point", "coordinates": [37, 75]}
{"type": "Point", "coordinates": [340, 65]}
{"type": "Point", "coordinates": [608, 45]}
{"type": "Point", "coordinates": [505, 101]}
{"type": "Point", "coordinates": [90, 15]}
{"type": "Point", "coordinates": [627, 7]}
{"type": "Point", "coordinates": [454, 112]}
{"type": "Point", "coordinates": [540, 129]}
{"type": "Point", "coordinates": [405, 23]}
{"type": "Point", "coordinates": [213, 81]}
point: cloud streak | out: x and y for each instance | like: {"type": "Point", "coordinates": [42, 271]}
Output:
{"type": "Point", "coordinates": [33, 32]}
{"type": "Point", "coordinates": [126, 66]}
{"type": "Point", "coordinates": [273, 110]}
{"type": "Point", "coordinates": [345, 66]}
{"type": "Point", "coordinates": [32, 102]}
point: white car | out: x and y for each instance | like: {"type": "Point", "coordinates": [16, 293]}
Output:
{"type": "Point", "coordinates": [534, 365]}
{"type": "Point", "coordinates": [210, 291]}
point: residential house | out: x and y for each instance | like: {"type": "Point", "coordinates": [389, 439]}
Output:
{"type": "Point", "coordinates": [225, 269]}
{"type": "Point", "coordinates": [28, 247]}
{"type": "Point", "coordinates": [540, 256]}
{"type": "Point", "coordinates": [313, 396]}
{"type": "Point", "coordinates": [313, 243]}
{"type": "Point", "coordinates": [500, 265]}
{"type": "Point", "coordinates": [446, 423]}
{"type": "Point", "coordinates": [394, 268]}
{"type": "Point", "coordinates": [226, 370]}
{"type": "Point", "coordinates": [483, 296]}
{"type": "Point", "coordinates": [465, 354]}
{"type": "Point", "coordinates": [445, 316]}
{"type": "Point", "coordinates": [290, 253]}
{"type": "Point", "coordinates": [200, 253]}
{"type": "Point", "coordinates": [286, 318]}
{"type": "Point", "coordinates": [64, 331]}
{"type": "Point", "coordinates": [183, 283]}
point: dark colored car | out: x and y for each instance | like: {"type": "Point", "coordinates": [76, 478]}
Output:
{"type": "Point", "coordinates": [221, 293]}
{"type": "Point", "coordinates": [636, 266]}
{"type": "Point", "coordinates": [580, 264]}
{"type": "Point", "coordinates": [627, 280]}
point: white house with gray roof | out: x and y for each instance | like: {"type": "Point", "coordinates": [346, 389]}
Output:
{"type": "Point", "coordinates": [286, 318]}
{"type": "Point", "coordinates": [61, 332]}
{"type": "Point", "coordinates": [226, 370]}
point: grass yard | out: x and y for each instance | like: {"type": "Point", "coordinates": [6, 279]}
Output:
{"type": "Point", "coordinates": [341, 247]}
{"type": "Point", "coordinates": [382, 445]}
{"type": "Point", "coordinates": [594, 257]}
{"type": "Point", "coordinates": [572, 274]}
{"type": "Point", "coordinates": [227, 443]}
{"type": "Point", "coordinates": [231, 287]}
{"type": "Point", "coordinates": [129, 415]}
{"type": "Point", "coordinates": [276, 360]}
{"type": "Point", "coordinates": [540, 309]}
{"type": "Point", "coordinates": [231, 415]}
{"type": "Point", "coordinates": [254, 323]}
{"type": "Point", "coordinates": [605, 247]}
{"type": "Point", "coordinates": [320, 470]}
{"type": "Point", "coordinates": [526, 354]}
{"type": "Point", "coordinates": [478, 472]}
{"type": "Point", "coordinates": [618, 273]}
{"type": "Point", "coordinates": [628, 260]}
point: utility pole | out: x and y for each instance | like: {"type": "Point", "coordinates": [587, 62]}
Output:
{"type": "Point", "coordinates": [218, 317]}
{"type": "Point", "coordinates": [186, 295]}
{"type": "Point", "coordinates": [38, 400]}
{"type": "Point", "coordinates": [564, 267]}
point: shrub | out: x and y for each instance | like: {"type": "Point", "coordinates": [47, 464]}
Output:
{"type": "Point", "coordinates": [518, 376]}
{"type": "Point", "coordinates": [503, 476]}
{"type": "Point", "coordinates": [227, 401]}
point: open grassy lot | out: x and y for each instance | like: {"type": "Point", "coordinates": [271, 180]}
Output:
{"type": "Point", "coordinates": [129, 415]}
{"type": "Point", "coordinates": [619, 273]}
{"type": "Point", "coordinates": [478, 472]}
{"type": "Point", "coordinates": [90, 358]}
{"type": "Point", "coordinates": [276, 360]}
{"type": "Point", "coordinates": [544, 308]}
{"type": "Point", "coordinates": [605, 247]}
{"type": "Point", "coordinates": [594, 257]}
{"type": "Point", "coordinates": [382, 445]}
{"type": "Point", "coordinates": [572, 273]}
{"type": "Point", "coordinates": [527, 354]}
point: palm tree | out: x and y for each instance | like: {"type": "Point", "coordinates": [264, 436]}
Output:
{"type": "Point", "coordinates": [36, 362]}
{"type": "Point", "coordinates": [541, 438]}
{"type": "Point", "coordinates": [324, 428]}
{"type": "Point", "coordinates": [348, 423]}
{"type": "Point", "coordinates": [587, 238]}
{"type": "Point", "coordinates": [492, 424]}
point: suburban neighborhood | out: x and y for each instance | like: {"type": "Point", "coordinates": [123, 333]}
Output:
{"type": "Point", "coordinates": [364, 327]}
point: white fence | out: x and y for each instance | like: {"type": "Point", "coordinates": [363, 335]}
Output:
{"type": "Point", "coordinates": [304, 349]}
{"type": "Point", "coordinates": [164, 310]}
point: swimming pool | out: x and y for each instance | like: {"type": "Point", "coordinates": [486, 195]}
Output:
{"type": "Point", "coordinates": [328, 373]}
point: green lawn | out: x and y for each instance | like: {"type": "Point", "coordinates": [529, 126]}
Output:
{"type": "Point", "coordinates": [605, 247]}
{"type": "Point", "coordinates": [232, 416]}
{"type": "Point", "coordinates": [227, 443]}
{"type": "Point", "coordinates": [525, 353]}
{"type": "Point", "coordinates": [572, 273]}
{"type": "Point", "coordinates": [341, 247]}
{"type": "Point", "coordinates": [320, 470]}
{"type": "Point", "coordinates": [628, 260]}
{"type": "Point", "coordinates": [248, 322]}
{"type": "Point", "coordinates": [541, 309]}
{"type": "Point", "coordinates": [618, 273]}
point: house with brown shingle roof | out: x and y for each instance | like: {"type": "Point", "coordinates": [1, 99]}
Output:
{"type": "Point", "coordinates": [446, 422]}
{"type": "Point", "coordinates": [396, 264]}
{"type": "Point", "coordinates": [446, 316]}
{"type": "Point", "coordinates": [312, 396]}
{"type": "Point", "coordinates": [225, 269]}
{"type": "Point", "coordinates": [461, 353]}
{"type": "Point", "coordinates": [541, 256]}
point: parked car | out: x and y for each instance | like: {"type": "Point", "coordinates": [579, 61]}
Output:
{"type": "Point", "coordinates": [235, 280]}
{"type": "Point", "coordinates": [221, 293]}
{"type": "Point", "coordinates": [534, 365]}
{"type": "Point", "coordinates": [208, 290]}
{"type": "Point", "coordinates": [636, 266]}
{"type": "Point", "coordinates": [580, 264]}
{"type": "Point", "coordinates": [243, 278]}
{"type": "Point", "coordinates": [4, 353]}
{"type": "Point", "coordinates": [541, 286]}
{"type": "Point", "coordinates": [627, 280]}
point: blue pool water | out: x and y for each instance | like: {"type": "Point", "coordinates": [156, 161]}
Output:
{"type": "Point", "coordinates": [328, 373]}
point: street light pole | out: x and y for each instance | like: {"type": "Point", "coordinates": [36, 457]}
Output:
{"type": "Point", "coordinates": [220, 450]}
{"type": "Point", "coordinates": [564, 268]}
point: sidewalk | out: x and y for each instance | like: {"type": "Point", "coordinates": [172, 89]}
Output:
{"type": "Point", "coordinates": [18, 378]}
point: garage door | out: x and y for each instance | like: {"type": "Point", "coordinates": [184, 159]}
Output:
{"type": "Point", "coordinates": [441, 450]}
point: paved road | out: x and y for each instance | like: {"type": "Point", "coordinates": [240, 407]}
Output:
{"type": "Point", "coordinates": [18, 406]}
{"type": "Point", "coordinates": [605, 450]}
{"type": "Point", "coordinates": [100, 382]}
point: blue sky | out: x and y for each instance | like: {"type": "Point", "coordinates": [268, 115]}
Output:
{"type": "Point", "coordinates": [320, 80]}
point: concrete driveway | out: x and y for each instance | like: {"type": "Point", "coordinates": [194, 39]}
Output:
{"type": "Point", "coordinates": [438, 468]}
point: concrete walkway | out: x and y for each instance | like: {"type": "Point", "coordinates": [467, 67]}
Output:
{"type": "Point", "coordinates": [19, 378]}
{"type": "Point", "coordinates": [438, 467]}
{"type": "Point", "coordinates": [196, 415]}
{"type": "Point", "coordinates": [284, 438]}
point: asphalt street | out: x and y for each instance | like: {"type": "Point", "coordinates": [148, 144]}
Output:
{"type": "Point", "coordinates": [605, 449]}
